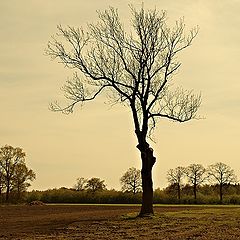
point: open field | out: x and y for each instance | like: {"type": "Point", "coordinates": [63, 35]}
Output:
{"type": "Point", "coordinates": [119, 222]}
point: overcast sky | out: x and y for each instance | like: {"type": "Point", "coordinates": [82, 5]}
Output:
{"type": "Point", "coordinates": [98, 140]}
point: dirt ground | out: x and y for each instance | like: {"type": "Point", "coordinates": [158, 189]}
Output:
{"type": "Point", "coordinates": [118, 222]}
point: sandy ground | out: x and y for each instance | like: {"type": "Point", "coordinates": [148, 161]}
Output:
{"type": "Point", "coordinates": [118, 222]}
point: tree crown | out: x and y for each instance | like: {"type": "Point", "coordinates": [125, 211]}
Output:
{"type": "Point", "coordinates": [136, 68]}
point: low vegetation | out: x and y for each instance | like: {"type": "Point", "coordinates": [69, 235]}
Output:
{"type": "Point", "coordinates": [206, 195]}
{"type": "Point", "coordinates": [193, 184]}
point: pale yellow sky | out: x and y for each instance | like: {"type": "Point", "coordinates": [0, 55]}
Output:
{"type": "Point", "coordinates": [97, 140]}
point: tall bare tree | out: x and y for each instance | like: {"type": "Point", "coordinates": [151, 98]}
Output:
{"type": "Point", "coordinates": [135, 69]}
{"type": "Point", "coordinates": [222, 175]}
{"type": "Point", "coordinates": [131, 180]}
{"type": "Point", "coordinates": [196, 175]}
{"type": "Point", "coordinates": [175, 177]}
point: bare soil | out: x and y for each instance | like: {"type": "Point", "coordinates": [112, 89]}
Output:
{"type": "Point", "coordinates": [118, 222]}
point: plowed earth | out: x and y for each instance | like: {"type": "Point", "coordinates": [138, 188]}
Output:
{"type": "Point", "coordinates": [118, 222]}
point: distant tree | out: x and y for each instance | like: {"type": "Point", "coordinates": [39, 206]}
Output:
{"type": "Point", "coordinates": [131, 180]}
{"type": "Point", "coordinates": [15, 173]}
{"type": "Point", "coordinates": [222, 175]}
{"type": "Point", "coordinates": [196, 175]}
{"type": "Point", "coordinates": [175, 177]}
{"type": "Point", "coordinates": [95, 184]}
{"type": "Point", "coordinates": [21, 177]}
{"type": "Point", "coordinates": [81, 184]}
{"type": "Point", "coordinates": [135, 69]}
{"type": "Point", "coordinates": [10, 157]}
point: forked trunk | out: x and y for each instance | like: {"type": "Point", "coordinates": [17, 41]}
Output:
{"type": "Point", "coordinates": [148, 161]}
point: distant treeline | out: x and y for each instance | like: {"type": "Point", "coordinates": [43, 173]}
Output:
{"type": "Point", "coordinates": [194, 184]}
{"type": "Point", "coordinates": [207, 194]}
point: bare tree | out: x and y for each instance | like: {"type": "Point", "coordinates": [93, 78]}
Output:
{"type": "Point", "coordinates": [95, 184]}
{"type": "Point", "coordinates": [222, 175]}
{"type": "Point", "coordinates": [81, 184]}
{"type": "Point", "coordinates": [131, 180]}
{"type": "Point", "coordinates": [175, 177]}
{"type": "Point", "coordinates": [136, 69]}
{"type": "Point", "coordinates": [196, 175]}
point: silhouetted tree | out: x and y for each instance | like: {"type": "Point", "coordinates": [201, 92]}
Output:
{"type": "Point", "coordinates": [81, 184]}
{"type": "Point", "coordinates": [196, 175]}
{"type": "Point", "coordinates": [175, 177]}
{"type": "Point", "coordinates": [137, 70]}
{"type": "Point", "coordinates": [95, 184]}
{"type": "Point", "coordinates": [222, 175]}
{"type": "Point", "coordinates": [131, 180]}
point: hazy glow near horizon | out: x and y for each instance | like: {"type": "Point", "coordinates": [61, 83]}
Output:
{"type": "Point", "coordinates": [98, 140]}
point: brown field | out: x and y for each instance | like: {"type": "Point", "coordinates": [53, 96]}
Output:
{"type": "Point", "coordinates": [118, 222]}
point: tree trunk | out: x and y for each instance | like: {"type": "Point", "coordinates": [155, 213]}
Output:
{"type": "Point", "coordinates": [195, 191]}
{"type": "Point", "coordinates": [220, 193]}
{"type": "Point", "coordinates": [134, 188]}
{"type": "Point", "coordinates": [148, 161]}
{"type": "Point", "coordinates": [1, 185]}
{"type": "Point", "coordinates": [18, 192]}
{"type": "Point", "coordinates": [179, 193]}
{"type": "Point", "coordinates": [7, 193]}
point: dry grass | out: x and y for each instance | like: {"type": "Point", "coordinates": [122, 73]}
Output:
{"type": "Point", "coordinates": [118, 222]}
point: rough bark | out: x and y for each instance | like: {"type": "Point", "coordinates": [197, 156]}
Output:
{"type": "Point", "coordinates": [148, 161]}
